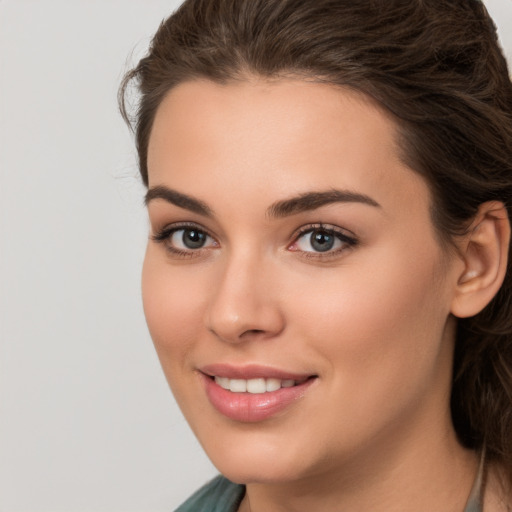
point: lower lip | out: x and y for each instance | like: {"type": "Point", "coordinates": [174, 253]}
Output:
{"type": "Point", "coordinates": [249, 407]}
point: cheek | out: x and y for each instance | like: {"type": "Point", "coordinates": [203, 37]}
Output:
{"type": "Point", "coordinates": [378, 334]}
{"type": "Point", "coordinates": [379, 322]}
{"type": "Point", "coordinates": [173, 305]}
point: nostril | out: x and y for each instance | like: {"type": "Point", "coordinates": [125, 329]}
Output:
{"type": "Point", "coordinates": [252, 332]}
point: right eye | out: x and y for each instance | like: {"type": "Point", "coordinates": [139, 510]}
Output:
{"type": "Point", "coordinates": [184, 240]}
{"type": "Point", "coordinates": [189, 239]}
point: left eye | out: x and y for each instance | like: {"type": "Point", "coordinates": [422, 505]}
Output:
{"type": "Point", "coordinates": [189, 239]}
{"type": "Point", "coordinates": [321, 240]}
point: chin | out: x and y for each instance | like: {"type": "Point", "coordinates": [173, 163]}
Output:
{"type": "Point", "coordinates": [246, 472]}
{"type": "Point", "coordinates": [259, 458]}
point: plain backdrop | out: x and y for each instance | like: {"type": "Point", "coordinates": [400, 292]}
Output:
{"type": "Point", "coordinates": [87, 422]}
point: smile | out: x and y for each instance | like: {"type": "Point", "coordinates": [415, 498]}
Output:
{"type": "Point", "coordinates": [254, 393]}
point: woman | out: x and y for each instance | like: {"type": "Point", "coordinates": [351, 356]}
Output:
{"type": "Point", "coordinates": [326, 280]}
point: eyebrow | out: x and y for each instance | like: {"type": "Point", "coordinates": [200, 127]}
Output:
{"type": "Point", "coordinates": [313, 200]}
{"type": "Point", "coordinates": [301, 203]}
{"type": "Point", "coordinates": [178, 199]}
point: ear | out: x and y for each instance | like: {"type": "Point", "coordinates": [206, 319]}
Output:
{"type": "Point", "coordinates": [484, 251]}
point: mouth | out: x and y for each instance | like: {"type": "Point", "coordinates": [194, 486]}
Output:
{"type": "Point", "coordinates": [253, 394]}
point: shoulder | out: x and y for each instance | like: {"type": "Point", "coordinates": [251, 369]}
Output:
{"type": "Point", "coordinates": [218, 495]}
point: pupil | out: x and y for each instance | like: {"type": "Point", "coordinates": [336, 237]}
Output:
{"type": "Point", "coordinates": [322, 241]}
{"type": "Point", "coordinates": [193, 239]}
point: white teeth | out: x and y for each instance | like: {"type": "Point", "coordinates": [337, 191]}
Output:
{"type": "Point", "coordinates": [223, 382]}
{"type": "Point", "coordinates": [273, 384]}
{"type": "Point", "coordinates": [256, 386]}
{"type": "Point", "coordinates": [238, 385]}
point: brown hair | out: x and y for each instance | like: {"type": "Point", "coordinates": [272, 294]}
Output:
{"type": "Point", "coordinates": [437, 67]}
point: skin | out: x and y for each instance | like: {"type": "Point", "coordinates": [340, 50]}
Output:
{"type": "Point", "coordinates": [372, 321]}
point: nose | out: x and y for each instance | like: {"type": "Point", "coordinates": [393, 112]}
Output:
{"type": "Point", "coordinates": [244, 304]}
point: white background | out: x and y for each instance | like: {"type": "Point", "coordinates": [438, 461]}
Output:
{"type": "Point", "coordinates": [86, 420]}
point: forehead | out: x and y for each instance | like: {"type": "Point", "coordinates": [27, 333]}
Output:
{"type": "Point", "coordinates": [289, 136]}
{"type": "Point", "coordinates": [284, 111]}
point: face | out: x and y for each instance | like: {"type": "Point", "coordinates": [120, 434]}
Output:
{"type": "Point", "coordinates": [293, 284]}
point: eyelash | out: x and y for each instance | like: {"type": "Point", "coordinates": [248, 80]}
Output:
{"type": "Point", "coordinates": [348, 241]}
{"type": "Point", "coordinates": [164, 236]}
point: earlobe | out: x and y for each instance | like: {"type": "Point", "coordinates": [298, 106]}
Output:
{"type": "Point", "coordinates": [485, 255]}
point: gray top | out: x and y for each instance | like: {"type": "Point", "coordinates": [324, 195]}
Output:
{"type": "Point", "coordinates": [218, 495]}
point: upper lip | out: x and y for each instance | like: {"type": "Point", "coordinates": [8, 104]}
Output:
{"type": "Point", "coordinates": [251, 371]}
